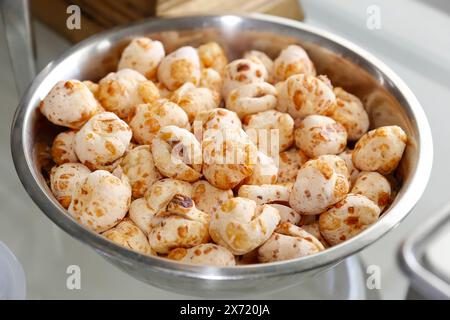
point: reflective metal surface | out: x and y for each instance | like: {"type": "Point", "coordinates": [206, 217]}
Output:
{"type": "Point", "coordinates": [387, 98]}
{"type": "Point", "coordinates": [419, 265]}
{"type": "Point", "coordinates": [17, 26]}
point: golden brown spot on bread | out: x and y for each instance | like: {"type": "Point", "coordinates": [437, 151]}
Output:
{"type": "Point", "coordinates": [182, 231]}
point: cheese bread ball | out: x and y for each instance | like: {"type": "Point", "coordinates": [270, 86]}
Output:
{"type": "Point", "coordinates": [209, 198]}
{"type": "Point", "coordinates": [289, 162]}
{"type": "Point", "coordinates": [194, 100]}
{"type": "Point", "coordinates": [143, 55]}
{"type": "Point", "coordinates": [128, 235]}
{"type": "Point", "coordinates": [314, 229]}
{"type": "Point", "coordinates": [352, 170]}
{"type": "Point", "coordinates": [380, 149]}
{"type": "Point", "coordinates": [162, 192]}
{"type": "Point", "coordinates": [212, 56]}
{"type": "Point", "coordinates": [69, 104]}
{"type": "Point", "coordinates": [65, 179]}
{"type": "Point", "coordinates": [259, 56]}
{"type": "Point", "coordinates": [268, 125]}
{"type": "Point", "coordinates": [149, 93]}
{"type": "Point", "coordinates": [287, 214]}
{"type": "Point", "coordinates": [374, 186]}
{"type": "Point", "coordinates": [252, 98]}
{"type": "Point", "coordinates": [211, 79]}
{"type": "Point", "coordinates": [240, 225]}
{"type": "Point", "coordinates": [93, 87]}
{"type": "Point", "coordinates": [228, 158]}
{"type": "Point", "coordinates": [119, 92]}
{"type": "Point", "coordinates": [181, 226]}
{"type": "Point", "coordinates": [63, 148]}
{"type": "Point", "coordinates": [150, 118]}
{"type": "Point", "coordinates": [351, 114]}
{"type": "Point", "coordinates": [101, 200]}
{"type": "Point", "coordinates": [240, 72]}
{"type": "Point", "coordinates": [319, 135]}
{"type": "Point", "coordinates": [318, 186]}
{"type": "Point", "coordinates": [266, 193]}
{"type": "Point", "coordinates": [348, 218]}
{"type": "Point", "coordinates": [140, 169]}
{"type": "Point", "coordinates": [337, 164]}
{"type": "Point", "coordinates": [288, 242]}
{"type": "Point", "coordinates": [141, 214]}
{"type": "Point", "coordinates": [102, 140]}
{"type": "Point", "coordinates": [265, 171]}
{"type": "Point", "coordinates": [207, 123]}
{"type": "Point", "coordinates": [179, 67]}
{"type": "Point", "coordinates": [208, 254]}
{"type": "Point", "coordinates": [292, 60]}
{"type": "Point", "coordinates": [302, 95]}
{"type": "Point", "coordinates": [177, 154]}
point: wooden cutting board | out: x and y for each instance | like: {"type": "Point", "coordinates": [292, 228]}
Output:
{"type": "Point", "coordinates": [99, 15]}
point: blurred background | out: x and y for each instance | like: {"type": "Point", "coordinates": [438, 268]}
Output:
{"type": "Point", "coordinates": [410, 36]}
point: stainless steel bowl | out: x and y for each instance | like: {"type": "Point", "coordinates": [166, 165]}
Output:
{"type": "Point", "coordinates": [388, 101]}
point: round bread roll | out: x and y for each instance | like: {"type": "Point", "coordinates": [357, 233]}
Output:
{"type": "Point", "coordinates": [128, 235]}
{"type": "Point", "coordinates": [374, 186]}
{"type": "Point", "coordinates": [63, 148]}
{"type": "Point", "coordinates": [65, 179]}
{"type": "Point", "coordinates": [212, 56]}
{"type": "Point", "coordinates": [209, 198]}
{"type": "Point", "coordinates": [143, 55]}
{"type": "Point", "coordinates": [177, 154]}
{"type": "Point", "coordinates": [228, 158]}
{"type": "Point", "coordinates": [320, 135]}
{"type": "Point", "coordinates": [351, 114]}
{"type": "Point", "coordinates": [302, 95]}
{"type": "Point", "coordinates": [181, 226]}
{"type": "Point", "coordinates": [69, 104]}
{"type": "Point", "coordinates": [140, 169]}
{"type": "Point", "coordinates": [162, 192]}
{"type": "Point", "coordinates": [207, 123]}
{"type": "Point", "coordinates": [292, 60]}
{"type": "Point", "coordinates": [101, 200]}
{"type": "Point", "coordinates": [141, 214]}
{"type": "Point", "coordinates": [288, 242]}
{"type": "Point", "coordinates": [240, 72]}
{"type": "Point", "coordinates": [265, 171]}
{"type": "Point", "coordinates": [380, 149]}
{"type": "Point", "coordinates": [318, 186]}
{"type": "Point", "coordinates": [119, 92]}
{"type": "Point", "coordinates": [179, 67]}
{"type": "Point", "coordinates": [266, 126]}
{"type": "Point", "coordinates": [289, 162]}
{"type": "Point", "coordinates": [150, 118]}
{"type": "Point", "coordinates": [194, 100]}
{"type": "Point", "coordinates": [259, 56]}
{"type": "Point", "coordinates": [211, 79]}
{"type": "Point", "coordinates": [240, 225]}
{"type": "Point", "coordinates": [102, 140]}
{"type": "Point", "coordinates": [348, 218]}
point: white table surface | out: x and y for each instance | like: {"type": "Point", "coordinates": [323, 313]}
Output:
{"type": "Point", "coordinates": [414, 40]}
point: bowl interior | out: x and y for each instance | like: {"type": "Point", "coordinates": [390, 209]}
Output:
{"type": "Point", "coordinates": [346, 65]}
